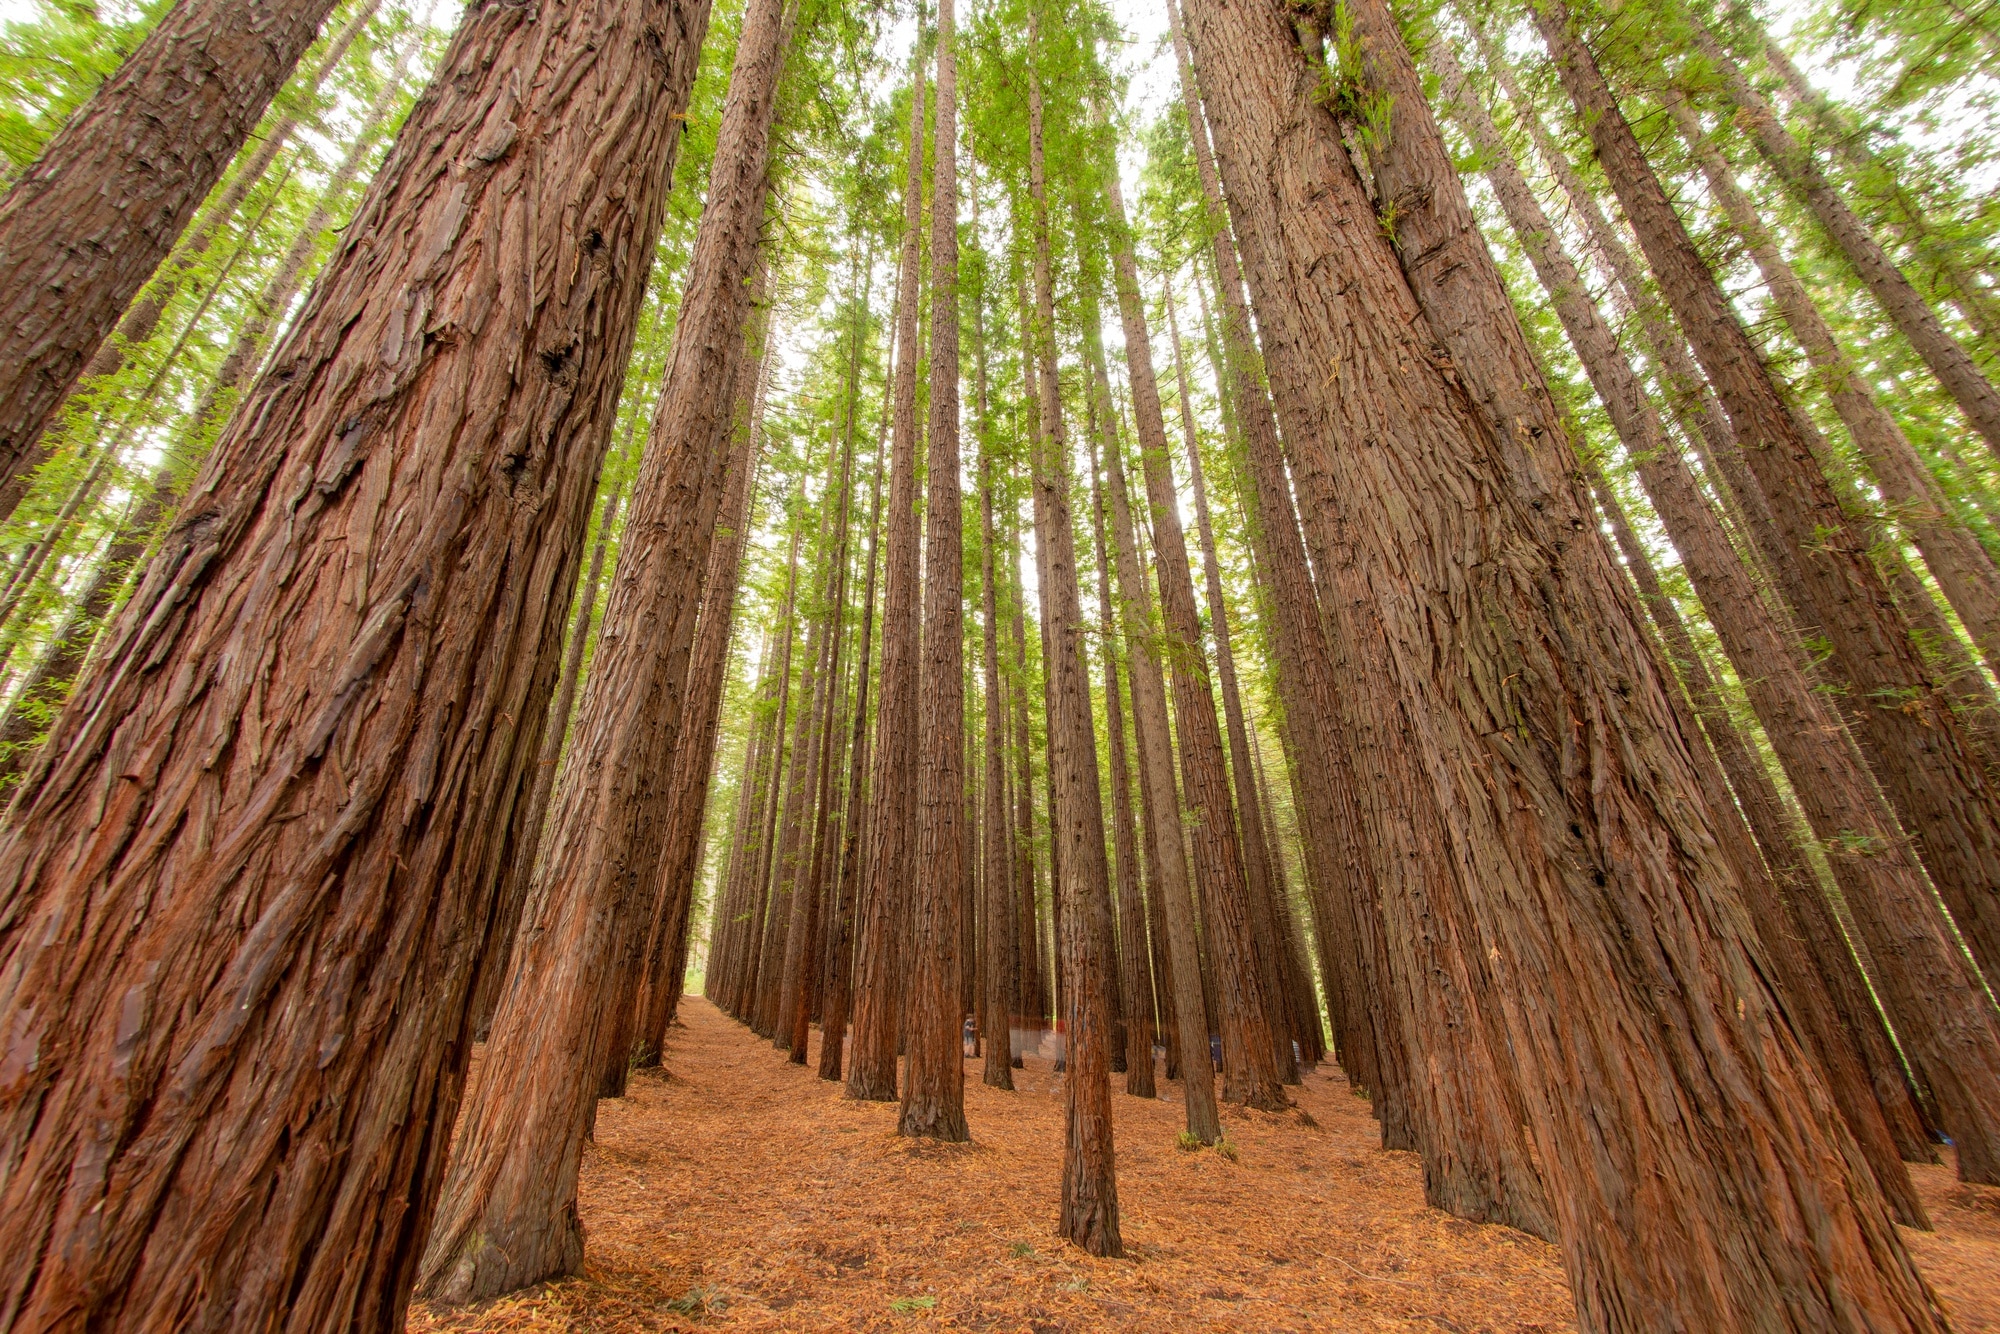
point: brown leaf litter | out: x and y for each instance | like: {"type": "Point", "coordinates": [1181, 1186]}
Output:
{"type": "Point", "coordinates": [740, 1193]}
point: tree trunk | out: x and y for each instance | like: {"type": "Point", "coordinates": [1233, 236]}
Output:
{"type": "Point", "coordinates": [1920, 751]}
{"type": "Point", "coordinates": [788, 912]}
{"type": "Point", "coordinates": [1594, 891]}
{"type": "Point", "coordinates": [761, 775]}
{"type": "Point", "coordinates": [997, 955]}
{"type": "Point", "coordinates": [507, 1215]}
{"type": "Point", "coordinates": [1953, 366]}
{"type": "Point", "coordinates": [239, 364]}
{"type": "Point", "coordinates": [880, 914]}
{"type": "Point", "coordinates": [1134, 979]}
{"type": "Point", "coordinates": [1341, 887]}
{"type": "Point", "coordinates": [795, 1014]}
{"type": "Point", "coordinates": [1907, 214]}
{"type": "Point", "coordinates": [42, 694]}
{"type": "Point", "coordinates": [658, 985]}
{"type": "Point", "coordinates": [139, 322]}
{"type": "Point", "coordinates": [1962, 567]}
{"type": "Point", "coordinates": [83, 228]}
{"type": "Point", "coordinates": [1703, 546]}
{"type": "Point", "coordinates": [1173, 895]}
{"type": "Point", "coordinates": [854, 825]}
{"type": "Point", "coordinates": [315, 720]}
{"type": "Point", "coordinates": [1265, 932]}
{"type": "Point", "coordinates": [1031, 1005]}
{"type": "Point", "coordinates": [934, 1084]}
{"type": "Point", "coordinates": [1089, 1215]}
{"type": "Point", "coordinates": [1249, 1065]}
{"type": "Point", "coordinates": [555, 728]}
{"type": "Point", "coordinates": [766, 940]}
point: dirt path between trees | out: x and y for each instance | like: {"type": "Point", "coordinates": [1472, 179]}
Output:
{"type": "Point", "coordinates": [740, 1193]}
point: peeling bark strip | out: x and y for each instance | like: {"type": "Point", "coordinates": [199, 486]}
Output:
{"type": "Point", "coordinates": [84, 228]}
{"type": "Point", "coordinates": [285, 788]}
{"type": "Point", "coordinates": [1698, 1175]}
{"type": "Point", "coordinates": [507, 1216]}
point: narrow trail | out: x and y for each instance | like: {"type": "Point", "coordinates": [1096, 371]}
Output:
{"type": "Point", "coordinates": [739, 1192]}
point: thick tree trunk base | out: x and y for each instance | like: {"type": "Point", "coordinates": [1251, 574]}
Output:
{"type": "Point", "coordinates": [490, 1267]}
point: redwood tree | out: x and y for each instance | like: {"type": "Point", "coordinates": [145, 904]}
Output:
{"type": "Point", "coordinates": [1616, 975]}
{"type": "Point", "coordinates": [288, 779]}
{"type": "Point", "coordinates": [508, 1211]}
{"type": "Point", "coordinates": [879, 911]}
{"type": "Point", "coordinates": [1089, 1215]}
{"type": "Point", "coordinates": [83, 228]}
{"type": "Point", "coordinates": [1918, 747]}
{"type": "Point", "coordinates": [934, 1085]}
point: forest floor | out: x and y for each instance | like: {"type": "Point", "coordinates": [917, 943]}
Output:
{"type": "Point", "coordinates": [734, 1191]}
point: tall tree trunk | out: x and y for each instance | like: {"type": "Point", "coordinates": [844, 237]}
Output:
{"type": "Point", "coordinates": [839, 965]}
{"type": "Point", "coordinates": [1089, 1214]}
{"type": "Point", "coordinates": [880, 913]}
{"type": "Point", "coordinates": [1173, 895]}
{"type": "Point", "coordinates": [1921, 753]}
{"type": "Point", "coordinates": [1907, 214]}
{"type": "Point", "coordinates": [1031, 1004]}
{"type": "Point", "coordinates": [1594, 887]}
{"type": "Point", "coordinates": [143, 317]}
{"type": "Point", "coordinates": [1265, 932]}
{"type": "Point", "coordinates": [1824, 1012]}
{"type": "Point", "coordinates": [934, 1084]}
{"type": "Point", "coordinates": [239, 364]}
{"type": "Point", "coordinates": [788, 911]}
{"type": "Point", "coordinates": [1962, 567]}
{"type": "Point", "coordinates": [555, 728]}
{"type": "Point", "coordinates": [1341, 888]}
{"type": "Point", "coordinates": [997, 955]}
{"type": "Point", "coordinates": [84, 227]}
{"type": "Point", "coordinates": [1953, 366]}
{"type": "Point", "coordinates": [1249, 1065]}
{"type": "Point", "coordinates": [996, 924]}
{"type": "Point", "coordinates": [658, 985]}
{"type": "Point", "coordinates": [795, 1014]}
{"type": "Point", "coordinates": [766, 939]}
{"type": "Point", "coordinates": [323, 767]}
{"type": "Point", "coordinates": [1135, 980]}
{"type": "Point", "coordinates": [507, 1215]}
{"type": "Point", "coordinates": [762, 775]}
{"type": "Point", "coordinates": [1703, 546]}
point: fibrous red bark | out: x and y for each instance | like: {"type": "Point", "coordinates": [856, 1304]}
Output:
{"type": "Point", "coordinates": [507, 1216]}
{"type": "Point", "coordinates": [1614, 971]}
{"type": "Point", "coordinates": [1917, 746]}
{"type": "Point", "coordinates": [84, 227]}
{"type": "Point", "coordinates": [934, 1083]}
{"type": "Point", "coordinates": [288, 779]}
{"type": "Point", "coordinates": [1089, 1213]}
{"type": "Point", "coordinates": [880, 909]}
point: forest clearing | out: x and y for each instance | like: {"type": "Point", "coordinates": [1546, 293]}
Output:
{"type": "Point", "coordinates": [1005, 664]}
